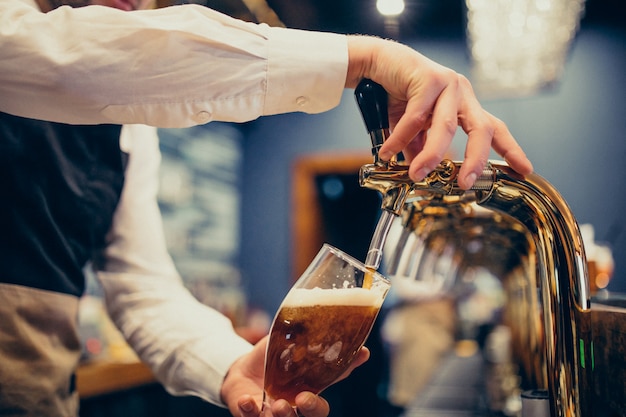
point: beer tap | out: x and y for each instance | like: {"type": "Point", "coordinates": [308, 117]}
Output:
{"type": "Point", "coordinates": [371, 98]}
{"type": "Point", "coordinates": [551, 327]}
{"type": "Point", "coordinates": [391, 179]}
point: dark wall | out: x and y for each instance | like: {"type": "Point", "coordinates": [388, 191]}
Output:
{"type": "Point", "coordinates": [574, 135]}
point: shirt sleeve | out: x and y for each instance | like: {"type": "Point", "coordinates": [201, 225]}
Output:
{"type": "Point", "coordinates": [173, 67]}
{"type": "Point", "coordinates": [188, 345]}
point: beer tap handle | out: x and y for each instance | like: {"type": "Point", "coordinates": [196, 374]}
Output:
{"type": "Point", "coordinates": [371, 98]}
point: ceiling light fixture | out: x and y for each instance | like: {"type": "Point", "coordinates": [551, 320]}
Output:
{"type": "Point", "coordinates": [519, 47]}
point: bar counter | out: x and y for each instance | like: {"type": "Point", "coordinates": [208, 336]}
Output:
{"type": "Point", "coordinates": [106, 377]}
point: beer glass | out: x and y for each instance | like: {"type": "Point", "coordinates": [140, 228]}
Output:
{"type": "Point", "coordinates": [321, 325]}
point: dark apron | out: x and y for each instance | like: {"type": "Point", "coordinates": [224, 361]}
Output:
{"type": "Point", "coordinates": [60, 186]}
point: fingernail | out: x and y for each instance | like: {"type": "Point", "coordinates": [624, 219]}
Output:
{"type": "Point", "coordinates": [470, 179]}
{"type": "Point", "coordinates": [385, 155]}
{"type": "Point", "coordinates": [246, 405]}
{"type": "Point", "coordinates": [420, 174]}
{"type": "Point", "coordinates": [284, 409]}
{"type": "Point", "coordinates": [308, 402]}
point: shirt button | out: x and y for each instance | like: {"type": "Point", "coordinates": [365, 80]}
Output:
{"type": "Point", "coordinates": [202, 117]}
{"type": "Point", "coordinates": [302, 101]}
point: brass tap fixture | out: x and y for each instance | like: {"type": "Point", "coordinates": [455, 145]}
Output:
{"type": "Point", "coordinates": [522, 230]}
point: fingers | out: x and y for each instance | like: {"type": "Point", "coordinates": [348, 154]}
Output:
{"type": "Point", "coordinates": [413, 120]}
{"type": "Point", "coordinates": [497, 136]}
{"type": "Point", "coordinates": [427, 124]}
{"type": "Point", "coordinates": [485, 131]}
{"type": "Point", "coordinates": [507, 147]}
{"type": "Point", "coordinates": [443, 126]}
{"type": "Point", "coordinates": [307, 405]}
{"type": "Point", "coordinates": [424, 136]}
{"type": "Point", "coordinates": [415, 146]}
{"type": "Point", "coordinates": [311, 405]}
{"type": "Point", "coordinates": [282, 408]}
{"type": "Point", "coordinates": [480, 128]}
{"type": "Point", "coordinates": [248, 406]}
{"type": "Point", "coordinates": [362, 357]}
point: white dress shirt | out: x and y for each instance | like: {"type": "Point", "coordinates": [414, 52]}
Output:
{"type": "Point", "coordinates": [174, 67]}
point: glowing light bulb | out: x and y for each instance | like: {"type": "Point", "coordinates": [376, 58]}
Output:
{"type": "Point", "coordinates": [390, 7]}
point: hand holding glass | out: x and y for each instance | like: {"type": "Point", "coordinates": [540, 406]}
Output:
{"type": "Point", "coordinates": [321, 325]}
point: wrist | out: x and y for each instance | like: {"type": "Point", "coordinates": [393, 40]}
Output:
{"type": "Point", "coordinates": [228, 391]}
{"type": "Point", "coordinates": [361, 52]}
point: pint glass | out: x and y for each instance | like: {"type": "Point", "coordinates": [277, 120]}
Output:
{"type": "Point", "coordinates": [321, 324]}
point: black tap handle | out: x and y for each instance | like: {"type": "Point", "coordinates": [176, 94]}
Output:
{"type": "Point", "coordinates": [372, 100]}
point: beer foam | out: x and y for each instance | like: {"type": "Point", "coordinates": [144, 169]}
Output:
{"type": "Point", "coordinates": [298, 297]}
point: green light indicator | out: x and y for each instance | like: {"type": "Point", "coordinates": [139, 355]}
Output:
{"type": "Point", "coordinates": [581, 346]}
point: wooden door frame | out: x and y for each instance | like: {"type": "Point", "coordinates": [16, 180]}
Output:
{"type": "Point", "coordinates": [306, 218]}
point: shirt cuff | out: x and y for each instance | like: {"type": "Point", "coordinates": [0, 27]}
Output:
{"type": "Point", "coordinates": [201, 368]}
{"type": "Point", "coordinates": [306, 70]}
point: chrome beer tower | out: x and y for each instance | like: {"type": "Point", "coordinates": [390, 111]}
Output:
{"type": "Point", "coordinates": [520, 228]}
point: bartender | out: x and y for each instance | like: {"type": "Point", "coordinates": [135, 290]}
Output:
{"type": "Point", "coordinates": [78, 89]}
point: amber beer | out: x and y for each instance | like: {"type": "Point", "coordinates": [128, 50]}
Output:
{"type": "Point", "coordinates": [315, 336]}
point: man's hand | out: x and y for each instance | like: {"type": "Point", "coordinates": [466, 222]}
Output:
{"type": "Point", "coordinates": [427, 102]}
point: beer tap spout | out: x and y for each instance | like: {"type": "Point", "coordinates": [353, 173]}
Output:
{"type": "Point", "coordinates": [375, 252]}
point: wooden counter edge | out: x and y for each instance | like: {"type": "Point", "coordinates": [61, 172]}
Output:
{"type": "Point", "coordinates": [99, 378]}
